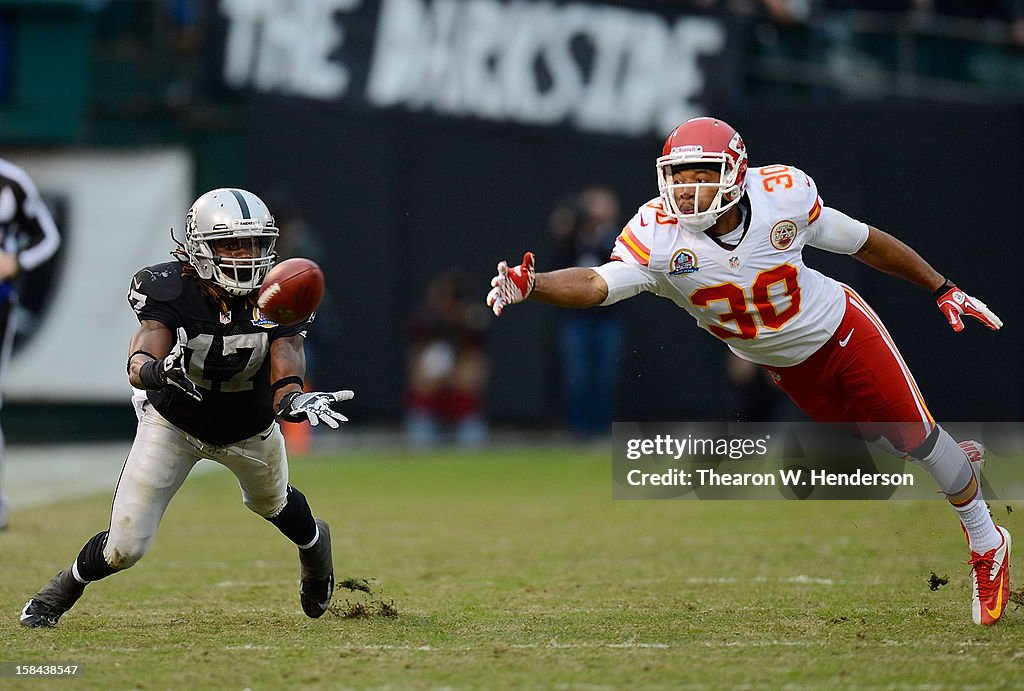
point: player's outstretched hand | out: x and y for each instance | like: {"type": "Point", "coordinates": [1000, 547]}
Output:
{"type": "Point", "coordinates": [955, 303]}
{"type": "Point", "coordinates": [511, 285]}
{"type": "Point", "coordinates": [316, 407]}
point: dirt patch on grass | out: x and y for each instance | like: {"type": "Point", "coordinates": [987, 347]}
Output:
{"type": "Point", "coordinates": [374, 605]}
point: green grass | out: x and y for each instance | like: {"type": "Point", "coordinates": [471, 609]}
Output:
{"type": "Point", "coordinates": [517, 569]}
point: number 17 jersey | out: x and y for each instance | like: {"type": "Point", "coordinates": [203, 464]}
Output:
{"type": "Point", "coordinates": [759, 298]}
{"type": "Point", "coordinates": [227, 356]}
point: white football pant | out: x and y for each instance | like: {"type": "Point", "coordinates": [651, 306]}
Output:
{"type": "Point", "coordinates": [162, 457]}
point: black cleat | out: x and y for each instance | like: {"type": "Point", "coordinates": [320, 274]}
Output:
{"type": "Point", "coordinates": [56, 597]}
{"type": "Point", "coordinates": [317, 585]}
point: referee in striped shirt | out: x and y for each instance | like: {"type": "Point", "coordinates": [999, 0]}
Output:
{"type": "Point", "coordinates": [28, 238]}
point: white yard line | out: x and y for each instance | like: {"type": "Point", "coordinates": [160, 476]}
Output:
{"type": "Point", "coordinates": [553, 645]}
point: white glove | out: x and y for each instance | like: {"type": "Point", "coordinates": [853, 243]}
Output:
{"type": "Point", "coordinates": [513, 285]}
{"type": "Point", "coordinates": [316, 407]}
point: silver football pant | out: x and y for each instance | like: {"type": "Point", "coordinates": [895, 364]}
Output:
{"type": "Point", "coordinates": [162, 457]}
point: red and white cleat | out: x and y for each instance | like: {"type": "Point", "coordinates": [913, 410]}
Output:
{"type": "Point", "coordinates": [990, 573]}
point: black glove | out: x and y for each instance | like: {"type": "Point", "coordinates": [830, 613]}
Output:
{"type": "Point", "coordinates": [156, 374]}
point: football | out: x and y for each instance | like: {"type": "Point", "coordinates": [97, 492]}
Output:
{"type": "Point", "coordinates": [291, 291]}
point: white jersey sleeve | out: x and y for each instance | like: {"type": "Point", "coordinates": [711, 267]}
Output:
{"type": "Point", "coordinates": [628, 272]}
{"type": "Point", "coordinates": [625, 280]}
{"type": "Point", "coordinates": [834, 231]}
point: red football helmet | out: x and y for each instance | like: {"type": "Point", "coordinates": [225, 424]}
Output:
{"type": "Point", "coordinates": [703, 141]}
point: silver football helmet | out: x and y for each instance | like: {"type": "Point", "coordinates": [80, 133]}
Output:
{"type": "Point", "coordinates": [229, 238]}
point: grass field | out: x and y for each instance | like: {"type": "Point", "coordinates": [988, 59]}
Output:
{"type": "Point", "coordinates": [517, 569]}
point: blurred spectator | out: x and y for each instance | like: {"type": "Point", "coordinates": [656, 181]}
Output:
{"type": "Point", "coordinates": [297, 237]}
{"type": "Point", "coordinates": [585, 227]}
{"type": "Point", "coordinates": [447, 366]}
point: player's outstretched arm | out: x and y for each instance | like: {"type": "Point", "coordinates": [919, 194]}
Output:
{"type": "Point", "coordinates": [576, 287]}
{"type": "Point", "coordinates": [888, 254]}
{"type": "Point", "coordinates": [287, 368]}
{"type": "Point", "coordinates": [894, 257]}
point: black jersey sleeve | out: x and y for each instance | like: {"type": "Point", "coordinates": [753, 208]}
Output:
{"type": "Point", "coordinates": [299, 329]}
{"type": "Point", "coordinates": [152, 291]}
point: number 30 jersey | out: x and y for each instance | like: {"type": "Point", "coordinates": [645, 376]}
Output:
{"type": "Point", "coordinates": [760, 298]}
{"type": "Point", "coordinates": [226, 355]}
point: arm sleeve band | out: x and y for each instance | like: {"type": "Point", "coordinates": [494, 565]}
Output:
{"type": "Point", "coordinates": [285, 381]}
{"type": "Point", "coordinates": [139, 352]}
{"type": "Point", "coordinates": [946, 286]}
{"type": "Point", "coordinates": [836, 232]}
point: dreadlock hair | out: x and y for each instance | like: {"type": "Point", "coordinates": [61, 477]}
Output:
{"type": "Point", "coordinates": [209, 289]}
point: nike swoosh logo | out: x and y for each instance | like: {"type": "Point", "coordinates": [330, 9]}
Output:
{"type": "Point", "coordinates": [324, 604]}
{"type": "Point", "coordinates": [642, 221]}
{"type": "Point", "coordinates": [844, 341]}
{"type": "Point", "coordinates": [995, 613]}
{"type": "Point", "coordinates": [137, 283]}
{"type": "Point", "coordinates": [24, 615]}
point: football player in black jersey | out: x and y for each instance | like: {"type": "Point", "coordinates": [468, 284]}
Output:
{"type": "Point", "coordinates": [210, 376]}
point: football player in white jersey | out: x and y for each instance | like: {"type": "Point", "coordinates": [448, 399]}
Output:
{"type": "Point", "coordinates": [724, 242]}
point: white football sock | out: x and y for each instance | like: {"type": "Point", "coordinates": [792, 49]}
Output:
{"type": "Point", "coordinates": [981, 529]}
{"type": "Point", "coordinates": [949, 466]}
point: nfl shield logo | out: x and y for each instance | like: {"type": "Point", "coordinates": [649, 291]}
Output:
{"type": "Point", "coordinates": [734, 262]}
{"type": "Point", "coordinates": [225, 317]}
